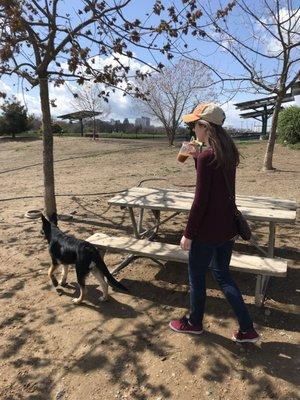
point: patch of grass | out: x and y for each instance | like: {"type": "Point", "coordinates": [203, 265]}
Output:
{"type": "Point", "coordinates": [30, 134]}
{"type": "Point", "coordinates": [246, 142]}
{"type": "Point", "coordinates": [295, 146]}
{"type": "Point", "coordinates": [284, 143]}
{"type": "Point", "coordinates": [117, 135]}
{"type": "Point", "coordinates": [33, 134]}
{"type": "Point", "coordinates": [69, 134]}
{"type": "Point", "coordinates": [120, 135]}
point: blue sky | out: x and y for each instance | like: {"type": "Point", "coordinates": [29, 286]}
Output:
{"type": "Point", "coordinates": [203, 50]}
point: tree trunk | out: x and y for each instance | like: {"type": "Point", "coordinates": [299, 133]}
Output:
{"type": "Point", "coordinates": [49, 190]}
{"type": "Point", "coordinates": [171, 135]}
{"type": "Point", "coordinates": [268, 161]}
{"type": "Point", "coordinates": [81, 127]}
{"type": "Point", "coordinates": [94, 128]}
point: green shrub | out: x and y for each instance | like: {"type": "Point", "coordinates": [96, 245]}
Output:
{"type": "Point", "coordinates": [14, 117]}
{"type": "Point", "coordinates": [264, 137]}
{"type": "Point", "coordinates": [288, 127]}
{"type": "Point", "coordinates": [56, 128]}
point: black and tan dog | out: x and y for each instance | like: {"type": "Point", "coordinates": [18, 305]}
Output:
{"type": "Point", "coordinates": [67, 250]}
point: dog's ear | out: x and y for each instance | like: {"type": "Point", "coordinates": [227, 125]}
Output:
{"type": "Point", "coordinates": [46, 226]}
{"type": "Point", "coordinates": [53, 219]}
{"type": "Point", "coordinates": [44, 220]}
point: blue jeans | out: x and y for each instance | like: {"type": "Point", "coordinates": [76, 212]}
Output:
{"type": "Point", "coordinates": [200, 257]}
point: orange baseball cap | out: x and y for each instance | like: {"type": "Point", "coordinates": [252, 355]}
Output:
{"type": "Point", "coordinates": [209, 112]}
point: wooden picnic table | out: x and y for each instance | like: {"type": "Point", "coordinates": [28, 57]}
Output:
{"type": "Point", "coordinates": [269, 210]}
{"type": "Point", "coordinates": [266, 209]}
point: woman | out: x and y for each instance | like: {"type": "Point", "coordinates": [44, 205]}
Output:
{"type": "Point", "coordinates": [210, 232]}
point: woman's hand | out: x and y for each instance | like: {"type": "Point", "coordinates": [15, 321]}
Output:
{"type": "Point", "coordinates": [185, 243]}
{"type": "Point", "coordinates": [193, 149]}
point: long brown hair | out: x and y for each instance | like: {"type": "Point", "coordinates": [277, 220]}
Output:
{"type": "Point", "coordinates": [226, 153]}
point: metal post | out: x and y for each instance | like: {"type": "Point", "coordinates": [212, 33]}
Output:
{"type": "Point", "coordinates": [154, 229]}
{"type": "Point", "coordinates": [81, 127]}
{"type": "Point", "coordinates": [258, 291]}
{"type": "Point", "coordinates": [123, 264]}
{"type": "Point", "coordinates": [134, 224]}
{"type": "Point", "coordinates": [264, 121]}
{"type": "Point", "coordinates": [140, 223]}
{"type": "Point", "coordinates": [271, 244]}
{"type": "Point", "coordinates": [262, 280]}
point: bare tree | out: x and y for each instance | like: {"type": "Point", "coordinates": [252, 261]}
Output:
{"type": "Point", "coordinates": [89, 98]}
{"type": "Point", "coordinates": [262, 40]}
{"type": "Point", "coordinates": [174, 91]}
{"type": "Point", "coordinates": [44, 41]}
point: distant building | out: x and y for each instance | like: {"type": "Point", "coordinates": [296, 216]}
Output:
{"type": "Point", "coordinates": [144, 122]}
{"type": "Point", "coordinates": [138, 122]}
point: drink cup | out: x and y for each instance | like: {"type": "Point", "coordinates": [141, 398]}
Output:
{"type": "Point", "coordinates": [184, 152]}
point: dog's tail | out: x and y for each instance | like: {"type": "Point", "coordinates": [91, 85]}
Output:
{"type": "Point", "coordinates": [110, 279]}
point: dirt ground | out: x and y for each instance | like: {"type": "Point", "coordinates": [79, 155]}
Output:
{"type": "Point", "coordinates": [123, 349]}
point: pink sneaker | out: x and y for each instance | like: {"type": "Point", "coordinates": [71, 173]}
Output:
{"type": "Point", "coordinates": [243, 337]}
{"type": "Point", "coordinates": [184, 326]}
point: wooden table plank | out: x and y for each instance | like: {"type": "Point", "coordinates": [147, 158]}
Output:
{"type": "Point", "coordinates": [173, 200]}
{"type": "Point", "coordinates": [269, 202]}
{"type": "Point", "coordinates": [241, 199]}
{"type": "Point", "coordinates": [171, 252]}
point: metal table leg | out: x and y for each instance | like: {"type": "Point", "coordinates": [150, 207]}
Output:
{"type": "Point", "coordinates": [151, 232]}
{"type": "Point", "coordinates": [131, 258]}
{"type": "Point", "coordinates": [123, 264]}
{"type": "Point", "coordinates": [139, 234]}
{"type": "Point", "coordinates": [134, 224]}
{"type": "Point", "coordinates": [154, 229]}
{"type": "Point", "coordinates": [263, 280]}
{"type": "Point", "coordinates": [137, 229]}
{"type": "Point", "coordinates": [140, 223]}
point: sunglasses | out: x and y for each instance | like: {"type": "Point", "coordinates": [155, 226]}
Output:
{"type": "Point", "coordinates": [193, 124]}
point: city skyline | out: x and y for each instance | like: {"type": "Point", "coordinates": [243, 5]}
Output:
{"type": "Point", "coordinates": [122, 106]}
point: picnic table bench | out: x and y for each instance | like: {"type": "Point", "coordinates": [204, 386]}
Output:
{"type": "Point", "coordinates": [262, 266]}
{"type": "Point", "coordinates": [264, 209]}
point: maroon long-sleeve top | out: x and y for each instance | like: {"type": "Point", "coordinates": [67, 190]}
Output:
{"type": "Point", "coordinates": [211, 218]}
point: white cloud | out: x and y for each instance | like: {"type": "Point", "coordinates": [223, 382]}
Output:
{"type": "Point", "coordinates": [4, 87]}
{"type": "Point", "coordinates": [233, 118]}
{"type": "Point", "coordinates": [296, 102]}
{"type": "Point", "coordinates": [232, 114]}
{"type": "Point", "coordinates": [100, 62]}
{"type": "Point", "coordinates": [134, 65]}
{"type": "Point", "coordinates": [119, 104]}
{"type": "Point", "coordinates": [31, 102]}
{"type": "Point", "coordinates": [273, 45]}
{"type": "Point", "coordinates": [63, 98]}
